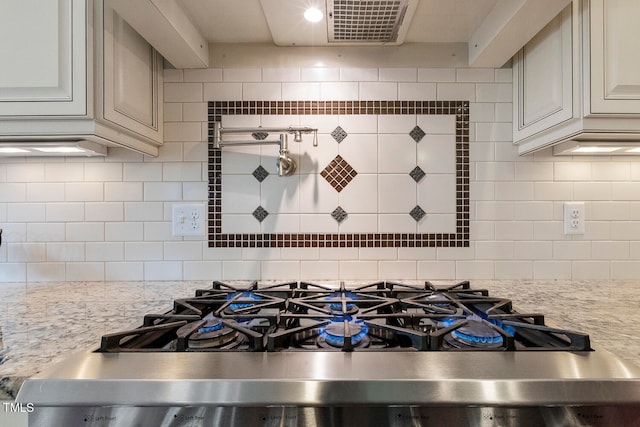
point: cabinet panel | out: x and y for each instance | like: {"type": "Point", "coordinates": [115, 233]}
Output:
{"type": "Point", "coordinates": [132, 79]}
{"type": "Point", "coordinates": [543, 79]}
{"type": "Point", "coordinates": [43, 51]}
{"type": "Point", "coordinates": [615, 63]}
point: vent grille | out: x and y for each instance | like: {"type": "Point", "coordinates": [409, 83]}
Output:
{"type": "Point", "coordinates": [365, 21]}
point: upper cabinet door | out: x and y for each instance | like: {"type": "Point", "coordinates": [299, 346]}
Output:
{"type": "Point", "coordinates": [132, 79]}
{"type": "Point", "coordinates": [542, 79]}
{"type": "Point", "coordinates": [615, 62]}
{"type": "Point", "coordinates": [44, 56]}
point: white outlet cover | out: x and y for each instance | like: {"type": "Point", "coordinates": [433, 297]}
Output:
{"type": "Point", "coordinates": [188, 220]}
{"type": "Point", "coordinates": [573, 217]}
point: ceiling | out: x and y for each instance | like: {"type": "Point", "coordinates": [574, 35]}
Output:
{"type": "Point", "coordinates": [244, 21]}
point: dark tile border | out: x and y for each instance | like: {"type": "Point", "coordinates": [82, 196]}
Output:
{"type": "Point", "coordinates": [460, 238]}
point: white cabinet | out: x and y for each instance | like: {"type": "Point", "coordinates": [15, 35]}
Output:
{"type": "Point", "coordinates": [74, 70]}
{"type": "Point", "coordinates": [579, 78]}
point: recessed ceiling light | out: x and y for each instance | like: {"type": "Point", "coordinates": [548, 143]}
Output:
{"type": "Point", "coordinates": [313, 14]}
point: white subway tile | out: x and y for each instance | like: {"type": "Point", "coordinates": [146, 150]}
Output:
{"type": "Point", "coordinates": [592, 190]}
{"type": "Point", "coordinates": [84, 232]}
{"type": "Point", "coordinates": [182, 92]}
{"type": "Point", "coordinates": [65, 251]}
{"type": "Point", "coordinates": [123, 191]}
{"type": "Point", "coordinates": [372, 91]}
{"type": "Point", "coordinates": [396, 223]}
{"type": "Point", "coordinates": [416, 91]}
{"type": "Point", "coordinates": [300, 254]}
{"type": "Point", "coordinates": [343, 91]}
{"type": "Point", "coordinates": [143, 211]}
{"type": "Point", "coordinates": [64, 172]}
{"type": "Point", "coordinates": [534, 171]}
{"type": "Point", "coordinates": [162, 191]}
{"type": "Point", "coordinates": [398, 270]}
{"type": "Point", "coordinates": [202, 270]}
{"type": "Point", "coordinates": [84, 271]}
{"type": "Point", "coordinates": [104, 211]}
{"type": "Point", "coordinates": [533, 250]}
{"type": "Point", "coordinates": [503, 112]}
{"type": "Point", "coordinates": [125, 271]}
{"type": "Point", "coordinates": [194, 112]}
{"type": "Point", "coordinates": [194, 191]}
{"type": "Point", "coordinates": [104, 251]}
{"type": "Point", "coordinates": [203, 75]}
{"type": "Point", "coordinates": [554, 270]}
{"type": "Point", "coordinates": [495, 131]}
{"type": "Point", "coordinates": [547, 230]}
{"type": "Point", "coordinates": [45, 192]}
{"type": "Point", "coordinates": [625, 191]}
{"type": "Point", "coordinates": [533, 211]}
{"type": "Point", "coordinates": [506, 152]}
{"type": "Point", "coordinates": [45, 232]}
{"type": "Point", "coordinates": [571, 250]}
{"type": "Point", "coordinates": [13, 272]}
{"type": "Point", "coordinates": [482, 230]}
{"type": "Point", "coordinates": [84, 191]}
{"type": "Point", "coordinates": [494, 92]}
{"type": "Point", "coordinates": [123, 231]}
{"type": "Point", "coordinates": [241, 74]}
{"type": "Point", "coordinates": [13, 192]}
{"type": "Point", "coordinates": [622, 270]}
{"type": "Point", "coordinates": [173, 75]}
{"type": "Point", "coordinates": [281, 223]}
{"type": "Point", "coordinates": [164, 270]}
{"type": "Point", "coordinates": [514, 191]}
{"type": "Point", "coordinates": [358, 270]}
{"type": "Point", "coordinates": [456, 92]}
{"type": "Point", "coordinates": [359, 74]}
{"type": "Point", "coordinates": [472, 75]}
{"type": "Point", "coordinates": [572, 171]}
{"type": "Point", "coordinates": [610, 250]}
{"type": "Point", "coordinates": [46, 272]}
{"type": "Point", "coordinates": [378, 253]}
{"type": "Point", "coordinates": [475, 270]}
{"type": "Point", "coordinates": [482, 111]}
{"type": "Point", "coordinates": [103, 172]}
{"type": "Point", "coordinates": [514, 270]}
{"type": "Point", "coordinates": [495, 171]}
{"type": "Point", "coordinates": [552, 191]}
{"type": "Point", "coordinates": [143, 172]}
{"type": "Point", "coordinates": [184, 250]}
{"type": "Point", "coordinates": [281, 74]}
{"type": "Point", "coordinates": [25, 212]}
{"type": "Point", "coordinates": [172, 112]}
{"type": "Point", "coordinates": [262, 91]}
{"type": "Point", "coordinates": [260, 253]}
{"type": "Point", "coordinates": [396, 124]}
{"type": "Point", "coordinates": [26, 252]}
{"type": "Point", "coordinates": [157, 231]}
{"type": "Point", "coordinates": [143, 251]}
{"type": "Point", "coordinates": [183, 171]}
{"type": "Point", "coordinates": [25, 172]}
{"type": "Point", "coordinates": [436, 270]}
{"type": "Point", "coordinates": [611, 171]}
{"type": "Point", "coordinates": [183, 131]}
{"type": "Point", "coordinates": [320, 74]}
{"type": "Point", "coordinates": [494, 250]}
{"type": "Point", "coordinates": [222, 91]}
{"type": "Point", "coordinates": [436, 75]}
{"type": "Point", "coordinates": [240, 224]}
{"type": "Point", "coordinates": [297, 91]}
{"type": "Point", "coordinates": [593, 270]}
{"type": "Point", "coordinates": [438, 124]}
{"type": "Point", "coordinates": [398, 74]}
{"type": "Point", "coordinates": [504, 75]}
{"type": "Point", "coordinates": [241, 270]}
{"type": "Point", "coordinates": [514, 230]}
{"type": "Point", "coordinates": [280, 270]}
{"type": "Point", "coordinates": [319, 270]}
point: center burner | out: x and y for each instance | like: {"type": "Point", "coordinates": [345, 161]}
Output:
{"type": "Point", "coordinates": [382, 316]}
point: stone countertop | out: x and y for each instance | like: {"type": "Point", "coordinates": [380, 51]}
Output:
{"type": "Point", "coordinates": [42, 323]}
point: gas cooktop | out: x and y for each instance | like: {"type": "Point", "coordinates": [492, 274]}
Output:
{"type": "Point", "coordinates": [382, 316]}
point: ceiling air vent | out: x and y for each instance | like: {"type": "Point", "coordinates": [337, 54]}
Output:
{"type": "Point", "coordinates": [369, 21]}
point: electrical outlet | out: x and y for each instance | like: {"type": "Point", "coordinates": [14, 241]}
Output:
{"type": "Point", "coordinates": [188, 220]}
{"type": "Point", "coordinates": [574, 217]}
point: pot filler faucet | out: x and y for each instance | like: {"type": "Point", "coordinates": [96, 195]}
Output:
{"type": "Point", "coordinates": [286, 164]}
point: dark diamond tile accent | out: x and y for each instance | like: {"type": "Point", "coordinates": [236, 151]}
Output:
{"type": "Point", "coordinates": [260, 213]}
{"type": "Point", "coordinates": [338, 173]}
{"type": "Point", "coordinates": [417, 174]}
{"type": "Point", "coordinates": [339, 134]}
{"type": "Point", "coordinates": [417, 134]}
{"type": "Point", "coordinates": [260, 135]}
{"type": "Point", "coordinates": [417, 213]}
{"type": "Point", "coordinates": [339, 214]}
{"type": "Point", "coordinates": [260, 173]}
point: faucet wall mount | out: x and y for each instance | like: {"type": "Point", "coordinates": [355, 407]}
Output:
{"type": "Point", "coordinates": [286, 165]}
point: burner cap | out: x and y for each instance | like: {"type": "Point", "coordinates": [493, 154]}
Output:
{"type": "Point", "coordinates": [338, 303]}
{"type": "Point", "coordinates": [334, 335]}
{"type": "Point", "coordinates": [245, 300]}
{"type": "Point", "coordinates": [212, 334]}
{"type": "Point", "coordinates": [476, 334]}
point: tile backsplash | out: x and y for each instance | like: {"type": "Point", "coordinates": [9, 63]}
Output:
{"type": "Point", "coordinates": [110, 219]}
{"type": "Point", "coordinates": [385, 182]}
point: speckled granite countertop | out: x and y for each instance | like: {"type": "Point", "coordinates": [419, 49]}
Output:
{"type": "Point", "coordinates": [42, 323]}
